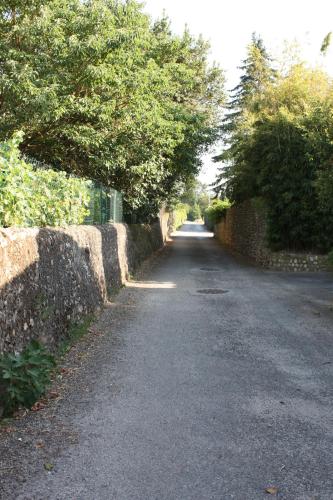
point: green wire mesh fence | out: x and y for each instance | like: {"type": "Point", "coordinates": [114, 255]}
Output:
{"type": "Point", "coordinates": [106, 205]}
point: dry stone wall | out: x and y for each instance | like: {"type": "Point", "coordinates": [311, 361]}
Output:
{"type": "Point", "coordinates": [244, 229]}
{"type": "Point", "coordinates": [286, 261]}
{"type": "Point", "coordinates": [52, 277]}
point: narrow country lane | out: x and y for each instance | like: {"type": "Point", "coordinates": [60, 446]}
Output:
{"type": "Point", "coordinates": [213, 381]}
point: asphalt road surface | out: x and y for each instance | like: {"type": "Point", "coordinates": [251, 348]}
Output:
{"type": "Point", "coordinates": [213, 381]}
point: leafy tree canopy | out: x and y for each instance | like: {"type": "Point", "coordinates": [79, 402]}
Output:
{"type": "Point", "coordinates": [101, 91]}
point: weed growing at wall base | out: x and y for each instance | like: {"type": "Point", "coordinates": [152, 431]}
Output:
{"type": "Point", "coordinates": [24, 377]}
{"type": "Point", "coordinates": [76, 331]}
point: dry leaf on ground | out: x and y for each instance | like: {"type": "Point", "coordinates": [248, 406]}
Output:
{"type": "Point", "coordinates": [272, 490]}
{"type": "Point", "coordinates": [38, 406]}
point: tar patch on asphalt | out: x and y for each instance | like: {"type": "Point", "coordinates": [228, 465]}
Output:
{"type": "Point", "coordinates": [212, 291]}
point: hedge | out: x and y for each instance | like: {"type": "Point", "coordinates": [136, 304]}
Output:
{"type": "Point", "coordinates": [38, 197]}
{"type": "Point", "coordinates": [215, 212]}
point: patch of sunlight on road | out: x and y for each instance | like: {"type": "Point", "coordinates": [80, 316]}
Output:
{"type": "Point", "coordinates": [192, 230]}
{"type": "Point", "coordinates": [194, 234]}
{"type": "Point", "coordinates": [150, 284]}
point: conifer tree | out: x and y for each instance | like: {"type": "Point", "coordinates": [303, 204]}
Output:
{"type": "Point", "coordinates": [241, 110]}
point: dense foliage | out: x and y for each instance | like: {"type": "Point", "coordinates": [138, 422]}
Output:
{"type": "Point", "coordinates": [194, 212]}
{"type": "Point", "coordinates": [279, 146]}
{"type": "Point", "coordinates": [196, 196]}
{"type": "Point", "coordinates": [37, 197]}
{"type": "Point", "coordinates": [101, 91]}
{"type": "Point", "coordinates": [24, 377]}
{"type": "Point", "coordinates": [179, 215]}
{"type": "Point", "coordinates": [215, 212]}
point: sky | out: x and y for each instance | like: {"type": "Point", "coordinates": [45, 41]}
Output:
{"type": "Point", "coordinates": [228, 25]}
